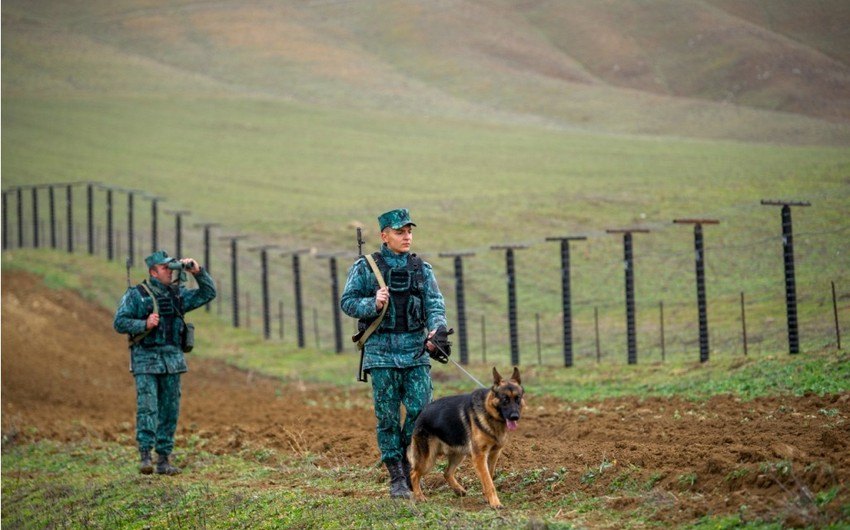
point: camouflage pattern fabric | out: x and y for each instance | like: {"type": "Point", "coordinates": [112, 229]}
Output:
{"type": "Point", "coordinates": [157, 410]}
{"type": "Point", "coordinates": [157, 353]}
{"type": "Point", "coordinates": [400, 369]}
{"type": "Point", "coordinates": [395, 219]}
{"type": "Point", "coordinates": [157, 361]}
{"type": "Point", "coordinates": [392, 388]}
{"type": "Point", "coordinates": [391, 350]}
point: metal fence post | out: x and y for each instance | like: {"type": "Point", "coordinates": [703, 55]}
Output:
{"type": "Point", "coordinates": [178, 230]}
{"type": "Point", "coordinates": [566, 296]}
{"type": "Point", "coordinates": [20, 205]}
{"type": "Point", "coordinates": [234, 276]}
{"type": "Point", "coordinates": [264, 283]}
{"type": "Point", "coordinates": [335, 310]}
{"type": "Point", "coordinates": [296, 280]}
{"type": "Point", "coordinates": [52, 204]}
{"type": "Point", "coordinates": [35, 241]}
{"type": "Point", "coordinates": [69, 212]}
{"type": "Point", "coordinates": [628, 264]}
{"type": "Point", "coordinates": [702, 307]}
{"type": "Point", "coordinates": [207, 245]}
{"type": "Point", "coordinates": [90, 216]}
{"type": "Point", "coordinates": [154, 223]}
{"type": "Point", "coordinates": [131, 255]}
{"type": "Point", "coordinates": [110, 249]}
{"type": "Point", "coordinates": [835, 315]}
{"type": "Point", "coordinates": [512, 306]}
{"type": "Point", "coordinates": [5, 220]}
{"type": "Point", "coordinates": [790, 278]}
{"type": "Point", "coordinates": [461, 302]}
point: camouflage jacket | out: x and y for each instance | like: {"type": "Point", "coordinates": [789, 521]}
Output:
{"type": "Point", "coordinates": [386, 349]}
{"type": "Point", "coordinates": [160, 352]}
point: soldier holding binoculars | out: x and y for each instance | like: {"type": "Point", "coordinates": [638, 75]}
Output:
{"type": "Point", "coordinates": [152, 314]}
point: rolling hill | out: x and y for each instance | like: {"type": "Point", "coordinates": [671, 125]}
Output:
{"type": "Point", "coordinates": [752, 71]}
{"type": "Point", "coordinates": [292, 122]}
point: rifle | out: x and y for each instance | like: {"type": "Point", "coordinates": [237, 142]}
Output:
{"type": "Point", "coordinates": [359, 242]}
{"type": "Point", "coordinates": [361, 375]}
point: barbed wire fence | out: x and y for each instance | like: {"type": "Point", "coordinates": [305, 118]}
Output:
{"type": "Point", "coordinates": [613, 301]}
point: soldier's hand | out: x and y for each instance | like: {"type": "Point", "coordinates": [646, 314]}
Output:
{"type": "Point", "coordinates": [152, 321]}
{"type": "Point", "coordinates": [381, 298]}
{"type": "Point", "coordinates": [428, 344]}
{"type": "Point", "coordinates": [438, 344]}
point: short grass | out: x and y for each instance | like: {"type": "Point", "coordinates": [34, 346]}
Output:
{"type": "Point", "coordinates": [287, 154]}
{"type": "Point", "coordinates": [747, 376]}
{"type": "Point", "coordinates": [101, 93]}
{"type": "Point", "coordinates": [75, 485]}
{"type": "Point", "coordinates": [88, 483]}
{"type": "Point", "coordinates": [303, 179]}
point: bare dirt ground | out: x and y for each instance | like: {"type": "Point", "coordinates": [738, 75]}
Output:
{"type": "Point", "coordinates": [65, 377]}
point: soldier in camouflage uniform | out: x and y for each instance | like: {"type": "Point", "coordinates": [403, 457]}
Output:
{"type": "Point", "coordinates": [157, 359]}
{"type": "Point", "coordinates": [394, 355]}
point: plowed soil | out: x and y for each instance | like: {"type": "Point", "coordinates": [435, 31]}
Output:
{"type": "Point", "coordinates": [65, 377]}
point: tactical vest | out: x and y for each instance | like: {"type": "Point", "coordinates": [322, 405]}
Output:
{"type": "Point", "coordinates": [406, 286]}
{"type": "Point", "coordinates": [170, 306]}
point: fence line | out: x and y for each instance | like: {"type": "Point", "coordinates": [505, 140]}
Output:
{"type": "Point", "coordinates": [90, 217]}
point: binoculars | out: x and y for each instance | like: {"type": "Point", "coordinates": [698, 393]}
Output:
{"type": "Point", "coordinates": [178, 266]}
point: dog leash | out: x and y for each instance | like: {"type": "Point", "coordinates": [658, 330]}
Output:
{"type": "Point", "coordinates": [467, 373]}
{"type": "Point", "coordinates": [461, 368]}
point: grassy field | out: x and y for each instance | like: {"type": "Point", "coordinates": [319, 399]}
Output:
{"type": "Point", "coordinates": [328, 115]}
{"type": "Point", "coordinates": [747, 377]}
{"type": "Point", "coordinates": [303, 179]}
{"type": "Point", "coordinates": [88, 483]}
{"type": "Point", "coordinates": [292, 123]}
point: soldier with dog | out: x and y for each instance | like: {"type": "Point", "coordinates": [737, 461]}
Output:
{"type": "Point", "coordinates": [401, 312]}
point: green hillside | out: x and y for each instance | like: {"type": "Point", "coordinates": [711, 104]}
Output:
{"type": "Point", "coordinates": [663, 67]}
{"type": "Point", "coordinates": [495, 122]}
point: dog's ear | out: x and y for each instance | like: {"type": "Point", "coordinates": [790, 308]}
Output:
{"type": "Point", "coordinates": [497, 377]}
{"type": "Point", "coordinates": [515, 376]}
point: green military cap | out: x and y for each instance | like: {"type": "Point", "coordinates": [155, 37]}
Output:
{"type": "Point", "coordinates": [395, 219]}
{"type": "Point", "coordinates": [157, 258]}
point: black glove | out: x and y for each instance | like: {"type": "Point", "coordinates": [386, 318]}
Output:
{"type": "Point", "coordinates": [442, 344]}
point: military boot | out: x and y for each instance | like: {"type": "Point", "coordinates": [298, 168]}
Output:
{"type": "Point", "coordinates": [145, 464]}
{"type": "Point", "coordinates": [405, 465]}
{"type": "Point", "coordinates": [398, 482]}
{"type": "Point", "coordinates": [164, 468]}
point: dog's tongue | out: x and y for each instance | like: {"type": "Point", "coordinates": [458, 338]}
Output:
{"type": "Point", "coordinates": [511, 425]}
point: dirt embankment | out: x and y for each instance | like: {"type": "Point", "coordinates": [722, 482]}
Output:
{"type": "Point", "coordinates": [65, 377]}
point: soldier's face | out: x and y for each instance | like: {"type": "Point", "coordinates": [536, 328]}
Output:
{"type": "Point", "coordinates": [162, 273]}
{"type": "Point", "coordinates": [398, 240]}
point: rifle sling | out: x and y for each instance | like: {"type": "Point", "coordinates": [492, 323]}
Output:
{"type": "Point", "coordinates": [138, 338]}
{"type": "Point", "coordinates": [377, 322]}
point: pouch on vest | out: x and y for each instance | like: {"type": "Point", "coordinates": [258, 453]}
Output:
{"type": "Point", "coordinates": [187, 340]}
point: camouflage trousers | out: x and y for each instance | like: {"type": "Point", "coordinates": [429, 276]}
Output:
{"type": "Point", "coordinates": [157, 409]}
{"type": "Point", "coordinates": [392, 388]}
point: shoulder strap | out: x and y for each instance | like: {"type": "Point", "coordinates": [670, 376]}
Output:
{"type": "Point", "coordinates": [414, 263]}
{"type": "Point", "coordinates": [135, 339]}
{"type": "Point", "coordinates": [144, 285]}
{"type": "Point", "coordinates": [377, 322]}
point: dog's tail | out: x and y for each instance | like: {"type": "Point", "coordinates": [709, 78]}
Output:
{"type": "Point", "coordinates": [418, 448]}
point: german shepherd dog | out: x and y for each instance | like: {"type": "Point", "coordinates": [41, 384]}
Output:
{"type": "Point", "coordinates": [475, 425]}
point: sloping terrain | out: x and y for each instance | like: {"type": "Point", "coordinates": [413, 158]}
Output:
{"type": "Point", "coordinates": [65, 378]}
{"type": "Point", "coordinates": [733, 70]}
